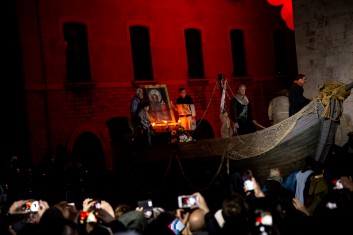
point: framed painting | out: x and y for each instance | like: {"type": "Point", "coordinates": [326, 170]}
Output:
{"type": "Point", "coordinates": [161, 111]}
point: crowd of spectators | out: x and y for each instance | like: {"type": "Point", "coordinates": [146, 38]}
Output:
{"type": "Point", "coordinates": [316, 199]}
{"type": "Point", "coordinates": [318, 203]}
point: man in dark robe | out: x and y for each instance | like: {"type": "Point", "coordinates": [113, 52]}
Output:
{"type": "Point", "coordinates": [296, 98]}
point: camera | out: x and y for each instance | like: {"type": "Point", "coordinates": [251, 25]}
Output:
{"type": "Point", "coordinates": [263, 217]}
{"type": "Point", "coordinates": [187, 201]}
{"type": "Point", "coordinates": [89, 217]}
{"type": "Point", "coordinates": [92, 215]}
{"type": "Point", "coordinates": [97, 204]}
{"type": "Point", "coordinates": [247, 179]}
{"type": "Point", "coordinates": [337, 184]}
{"type": "Point", "coordinates": [147, 206]}
{"type": "Point", "coordinates": [263, 221]}
{"type": "Point", "coordinates": [31, 206]}
{"type": "Point", "coordinates": [248, 185]}
{"type": "Point", "coordinates": [83, 216]}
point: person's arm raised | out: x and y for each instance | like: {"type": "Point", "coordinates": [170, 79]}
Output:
{"type": "Point", "coordinates": [201, 202]}
{"type": "Point", "coordinates": [347, 182]}
{"type": "Point", "coordinates": [257, 189]}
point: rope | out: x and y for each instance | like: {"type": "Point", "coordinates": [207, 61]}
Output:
{"type": "Point", "coordinates": [332, 91]}
{"type": "Point", "coordinates": [231, 92]}
{"type": "Point", "coordinates": [238, 136]}
{"type": "Point", "coordinates": [212, 180]}
{"type": "Point", "coordinates": [256, 142]}
{"type": "Point", "coordinates": [209, 102]}
{"type": "Point", "coordinates": [182, 171]}
{"type": "Point", "coordinates": [139, 186]}
{"type": "Point", "coordinates": [228, 95]}
{"type": "Point", "coordinates": [261, 126]}
{"type": "Point", "coordinates": [164, 178]}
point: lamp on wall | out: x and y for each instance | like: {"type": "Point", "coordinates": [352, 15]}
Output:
{"type": "Point", "coordinates": [286, 11]}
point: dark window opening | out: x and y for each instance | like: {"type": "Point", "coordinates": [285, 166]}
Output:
{"type": "Point", "coordinates": [194, 53]}
{"type": "Point", "coordinates": [141, 53]}
{"type": "Point", "coordinates": [77, 56]}
{"type": "Point", "coordinates": [238, 52]}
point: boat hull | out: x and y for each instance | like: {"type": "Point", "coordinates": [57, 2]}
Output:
{"type": "Point", "coordinates": [288, 154]}
{"type": "Point", "coordinates": [285, 146]}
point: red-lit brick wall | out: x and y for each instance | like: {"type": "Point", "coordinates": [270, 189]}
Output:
{"type": "Point", "coordinates": [55, 111]}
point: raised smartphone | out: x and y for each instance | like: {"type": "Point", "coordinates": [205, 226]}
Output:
{"type": "Point", "coordinates": [187, 201]}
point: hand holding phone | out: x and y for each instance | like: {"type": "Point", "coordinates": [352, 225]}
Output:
{"type": "Point", "coordinates": [187, 201]}
{"type": "Point", "coordinates": [147, 206]}
{"type": "Point", "coordinates": [90, 217]}
{"type": "Point", "coordinates": [249, 185]}
{"type": "Point", "coordinates": [337, 184]}
{"type": "Point", "coordinates": [247, 179]}
{"type": "Point", "coordinates": [97, 204]}
{"type": "Point", "coordinates": [263, 217]}
{"type": "Point", "coordinates": [30, 206]}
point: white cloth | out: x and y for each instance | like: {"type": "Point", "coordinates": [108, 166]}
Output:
{"type": "Point", "coordinates": [278, 109]}
{"type": "Point", "coordinates": [219, 217]}
{"type": "Point", "coordinates": [186, 113]}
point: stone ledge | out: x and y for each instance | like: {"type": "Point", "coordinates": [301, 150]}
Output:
{"type": "Point", "coordinates": [196, 82]}
{"type": "Point", "coordinates": [80, 85]}
{"type": "Point", "coordinates": [144, 83]}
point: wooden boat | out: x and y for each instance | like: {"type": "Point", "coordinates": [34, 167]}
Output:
{"type": "Point", "coordinates": [310, 132]}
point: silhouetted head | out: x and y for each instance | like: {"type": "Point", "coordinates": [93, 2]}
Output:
{"type": "Point", "coordinates": [241, 89]}
{"type": "Point", "coordinates": [283, 92]}
{"type": "Point", "coordinates": [182, 92]}
{"type": "Point", "coordinates": [197, 221]}
{"type": "Point", "coordinates": [139, 93]}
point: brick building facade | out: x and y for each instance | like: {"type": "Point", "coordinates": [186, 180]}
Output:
{"type": "Point", "coordinates": [63, 110]}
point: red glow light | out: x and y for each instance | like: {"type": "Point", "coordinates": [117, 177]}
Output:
{"type": "Point", "coordinates": [286, 12]}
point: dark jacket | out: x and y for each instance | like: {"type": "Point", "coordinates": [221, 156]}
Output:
{"type": "Point", "coordinates": [296, 99]}
{"type": "Point", "coordinates": [242, 114]}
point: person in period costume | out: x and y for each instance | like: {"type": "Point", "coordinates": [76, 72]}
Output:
{"type": "Point", "coordinates": [240, 113]}
{"type": "Point", "coordinates": [278, 109]}
{"type": "Point", "coordinates": [186, 110]}
{"type": "Point", "coordinates": [145, 126]}
{"type": "Point", "coordinates": [135, 107]}
{"type": "Point", "coordinates": [135, 104]}
{"type": "Point", "coordinates": [296, 95]}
